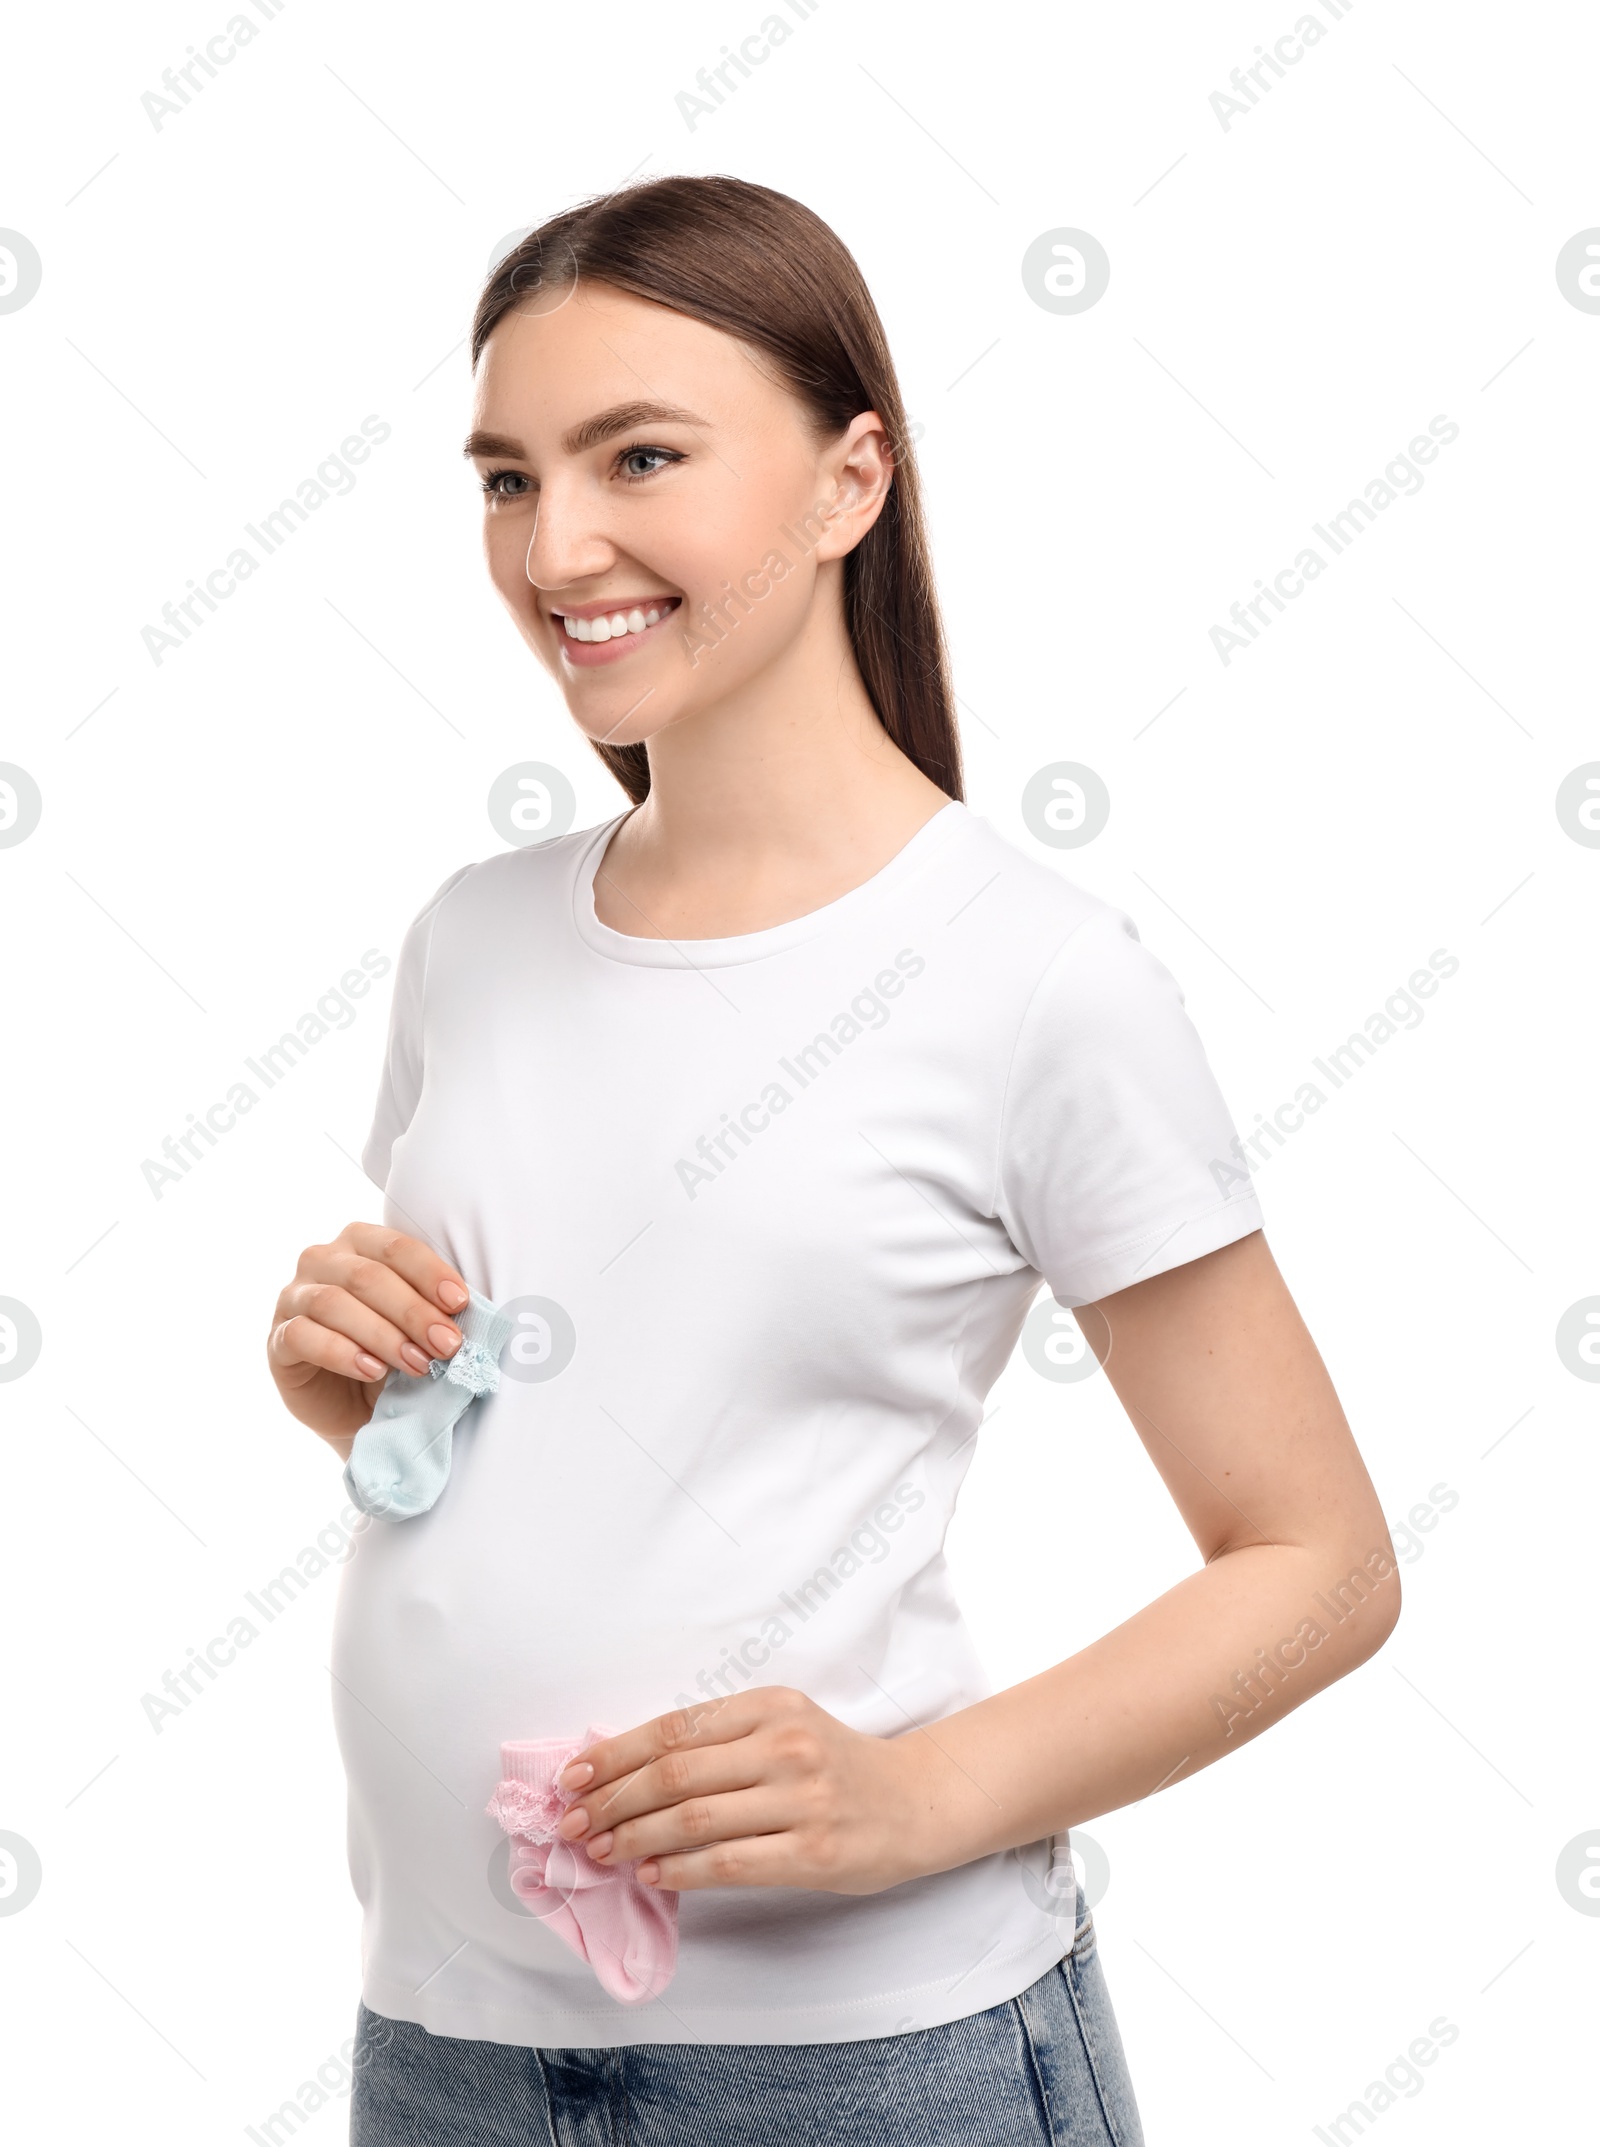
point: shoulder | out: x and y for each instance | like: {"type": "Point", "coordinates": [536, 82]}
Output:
{"type": "Point", "coordinates": [511, 879]}
{"type": "Point", "coordinates": [1064, 934]}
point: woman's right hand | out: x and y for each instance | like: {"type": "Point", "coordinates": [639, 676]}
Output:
{"type": "Point", "coordinates": [368, 1301]}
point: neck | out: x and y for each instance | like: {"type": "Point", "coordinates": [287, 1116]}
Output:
{"type": "Point", "coordinates": [793, 763]}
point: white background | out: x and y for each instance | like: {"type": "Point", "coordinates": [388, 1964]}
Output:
{"type": "Point", "coordinates": [1292, 299]}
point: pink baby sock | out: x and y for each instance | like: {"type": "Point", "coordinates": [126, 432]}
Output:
{"type": "Point", "coordinates": [626, 1931]}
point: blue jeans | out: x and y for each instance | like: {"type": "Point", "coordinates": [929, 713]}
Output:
{"type": "Point", "coordinates": [1043, 2069]}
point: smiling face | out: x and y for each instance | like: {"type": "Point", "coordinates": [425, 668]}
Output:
{"type": "Point", "coordinates": [640, 466]}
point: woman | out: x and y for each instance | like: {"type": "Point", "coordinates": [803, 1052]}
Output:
{"type": "Point", "coordinates": [765, 1106]}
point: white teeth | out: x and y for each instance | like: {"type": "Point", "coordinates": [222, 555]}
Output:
{"type": "Point", "coordinates": [613, 626]}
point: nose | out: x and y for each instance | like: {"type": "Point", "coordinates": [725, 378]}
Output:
{"type": "Point", "coordinates": [569, 542]}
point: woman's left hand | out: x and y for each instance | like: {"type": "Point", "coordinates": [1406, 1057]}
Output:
{"type": "Point", "coordinates": [763, 1789]}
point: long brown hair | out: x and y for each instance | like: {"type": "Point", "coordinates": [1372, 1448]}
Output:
{"type": "Point", "coordinates": [763, 267]}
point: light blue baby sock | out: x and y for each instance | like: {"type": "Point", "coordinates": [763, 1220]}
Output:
{"type": "Point", "coordinates": [401, 1457]}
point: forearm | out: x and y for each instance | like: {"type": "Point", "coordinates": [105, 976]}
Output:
{"type": "Point", "coordinates": [1190, 1678]}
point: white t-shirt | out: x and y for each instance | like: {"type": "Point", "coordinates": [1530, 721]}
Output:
{"type": "Point", "coordinates": [779, 1203]}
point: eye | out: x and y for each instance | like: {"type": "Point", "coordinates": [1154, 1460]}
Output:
{"type": "Point", "coordinates": [494, 485]}
{"type": "Point", "coordinates": [658, 455]}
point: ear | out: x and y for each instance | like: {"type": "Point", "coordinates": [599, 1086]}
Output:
{"type": "Point", "coordinates": [857, 471]}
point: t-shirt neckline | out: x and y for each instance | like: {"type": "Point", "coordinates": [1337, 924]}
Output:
{"type": "Point", "coordinates": [746, 946]}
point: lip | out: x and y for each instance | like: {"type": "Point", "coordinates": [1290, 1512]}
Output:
{"type": "Point", "coordinates": [589, 655]}
{"type": "Point", "coordinates": [603, 607]}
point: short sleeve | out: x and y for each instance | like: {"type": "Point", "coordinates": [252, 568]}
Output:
{"type": "Point", "coordinates": [1117, 1153]}
{"type": "Point", "coordinates": [401, 1081]}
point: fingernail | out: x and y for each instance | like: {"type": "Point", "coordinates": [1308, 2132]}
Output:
{"type": "Point", "coordinates": [576, 1774]}
{"type": "Point", "coordinates": [579, 1824]}
{"type": "Point", "coordinates": [452, 1296]}
{"type": "Point", "coordinates": [414, 1356]}
{"type": "Point", "coordinates": [599, 1846]}
{"type": "Point", "coordinates": [444, 1340]}
{"type": "Point", "coordinates": [372, 1366]}
{"type": "Point", "coordinates": [649, 1873]}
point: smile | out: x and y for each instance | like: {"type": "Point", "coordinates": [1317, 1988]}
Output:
{"type": "Point", "coordinates": [597, 635]}
{"type": "Point", "coordinates": [612, 625]}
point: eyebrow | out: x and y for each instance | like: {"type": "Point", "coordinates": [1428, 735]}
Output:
{"type": "Point", "coordinates": [590, 432]}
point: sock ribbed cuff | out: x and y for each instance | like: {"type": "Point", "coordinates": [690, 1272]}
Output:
{"type": "Point", "coordinates": [483, 1323]}
{"type": "Point", "coordinates": [476, 1364]}
{"type": "Point", "coordinates": [538, 1760]}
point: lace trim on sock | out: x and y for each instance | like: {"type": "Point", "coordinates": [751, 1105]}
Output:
{"type": "Point", "coordinates": [521, 1808]}
{"type": "Point", "coordinates": [471, 1367]}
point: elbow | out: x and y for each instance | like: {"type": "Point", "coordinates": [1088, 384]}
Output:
{"type": "Point", "coordinates": [1385, 1566]}
{"type": "Point", "coordinates": [1364, 1600]}
{"type": "Point", "coordinates": [1386, 1610]}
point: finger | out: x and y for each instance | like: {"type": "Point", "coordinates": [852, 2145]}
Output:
{"type": "Point", "coordinates": [609, 1759]}
{"type": "Point", "coordinates": [376, 1283]}
{"type": "Point", "coordinates": [430, 1276]}
{"type": "Point", "coordinates": [299, 1340]}
{"type": "Point", "coordinates": [672, 1778]}
{"type": "Point", "coordinates": [750, 1860]}
{"type": "Point", "coordinates": [696, 1823]}
{"type": "Point", "coordinates": [338, 1307]}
